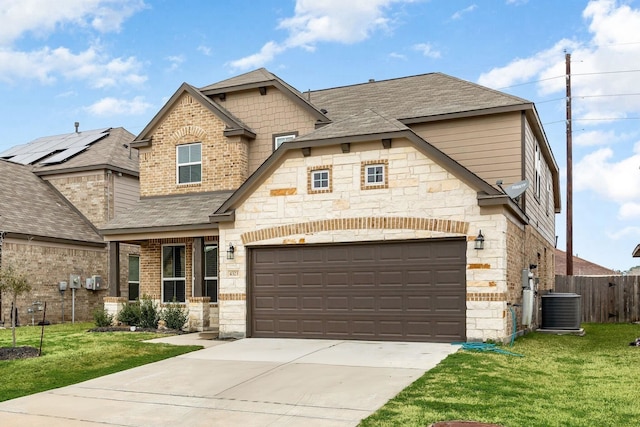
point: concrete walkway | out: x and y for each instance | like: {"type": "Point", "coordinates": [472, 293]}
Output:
{"type": "Point", "coordinates": [249, 382]}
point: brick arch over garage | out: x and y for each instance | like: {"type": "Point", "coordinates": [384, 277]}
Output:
{"type": "Point", "coordinates": [359, 223]}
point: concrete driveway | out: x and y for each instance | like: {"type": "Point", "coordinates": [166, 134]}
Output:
{"type": "Point", "coordinates": [249, 382]}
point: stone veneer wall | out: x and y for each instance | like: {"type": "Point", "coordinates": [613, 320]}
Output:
{"type": "Point", "coordinates": [224, 160]}
{"type": "Point", "coordinates": [45, 266]}
{"type": "Point", "coordinates": [279, 208]}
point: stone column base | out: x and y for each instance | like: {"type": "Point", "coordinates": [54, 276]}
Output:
{"type": "Point", "coordinates": [198, 314]}
{"type": "Point", "coordinates": [113, 306]}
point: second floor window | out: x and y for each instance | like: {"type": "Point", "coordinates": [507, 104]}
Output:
{"type": "Point", "coordinates": [279, 139]}
{"type": "Point", "coordinates": [189, 163]}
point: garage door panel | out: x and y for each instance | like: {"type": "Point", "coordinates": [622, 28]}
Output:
{"type": "Point", "coordinates": [410, 290]}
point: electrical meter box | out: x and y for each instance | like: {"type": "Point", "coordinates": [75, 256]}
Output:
{"type": "Point", "coordinates": [95, 283]}
{"type": "Point", "coordinates": [74, 281]}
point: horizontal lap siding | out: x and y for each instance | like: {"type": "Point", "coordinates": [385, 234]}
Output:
{"type": "Point", "coordinates": [489, 146]}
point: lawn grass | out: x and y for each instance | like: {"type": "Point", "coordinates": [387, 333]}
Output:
{"type": "Point", "coordinates": [70, 355]}
{"type": "Point", "coordinates": [563, 380]}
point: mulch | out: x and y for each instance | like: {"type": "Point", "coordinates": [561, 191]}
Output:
{"type": "Point", "coordinates": [12, 353]}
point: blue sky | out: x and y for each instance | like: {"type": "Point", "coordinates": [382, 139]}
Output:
{"type": "Point", "coordinates": [110, 63]}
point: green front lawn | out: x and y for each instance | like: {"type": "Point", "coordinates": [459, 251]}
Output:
{"type": "Point", "coordinates": [70, 355]}
{"type": "Point", "coordinates": [563, 380]}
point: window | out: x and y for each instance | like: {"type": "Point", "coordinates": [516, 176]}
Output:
{"type": "Point", "coordinates": [284, 137]}
{"type": "Point", "coordinates": [320, 179]}
{"type": "Point", "coordinates": [211, 271]}
{"type": "Point", "coordinates": [173, 274]}
{"type": "Point", "coordinates": [373, 174]}
{"type": "Point", "coordinates": [134, 277]}
{"type": "Point", "coordinates": [538, 167]}
{"type": "Point", "coordinates": [189, 163]}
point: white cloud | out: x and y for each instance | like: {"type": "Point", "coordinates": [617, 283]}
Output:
{"type": "Point", "coordinates": [396, 55]}
{"type": "Point", "coordinates": [329, 21]}
{"type": "Point", "coordinates": [41, 17]}
{"type": "Point", "coordinates": [600, 67]}
{"type": "Point", "coordinates": [630, 210]}
{"type": "Point", "coordinates": [206, 50]}
{"type": "Point", "coordinates": [594, 137]}
{"type": "Point", "coordinates": [45, 65]}
{"type": "Point", "coordinates": [175, 61]}
{"type": "Point", "coordinates": [114, 107]}
{"type": "Point", "coordinates": [427, 50]}
{"type": "Point", "coordinates": [624, 233]}
{"type": "Point", "coordinates": [613, 180]}
{"type": "Point", "coordinates": [458, 14]}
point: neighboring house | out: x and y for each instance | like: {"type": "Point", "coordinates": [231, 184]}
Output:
{"type": "Point", "coordinates": [54, 193]}
{"type": "Point", "coordinates": [581, 267]}
{"type": "Point", "coordinates": [351, 212]}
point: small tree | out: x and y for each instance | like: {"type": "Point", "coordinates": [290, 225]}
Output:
{"type": "Point", "coordinates": [15, 284]}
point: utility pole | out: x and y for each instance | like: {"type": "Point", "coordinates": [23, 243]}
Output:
{"type": "Point", "coordinates": [567, 58]}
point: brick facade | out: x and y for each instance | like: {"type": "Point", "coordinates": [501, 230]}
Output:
{"type": "Point", "coordinates": [224, 160]}
{"type": "Point", "coordinates": [47, 265]}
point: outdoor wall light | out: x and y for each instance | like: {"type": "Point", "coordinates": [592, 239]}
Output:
{"type": "Point", "coordinates": [231, 251]}
{"type": "Point", "coordinates": [479, 241]}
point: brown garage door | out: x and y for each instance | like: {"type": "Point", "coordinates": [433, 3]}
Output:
{"type": "Point", "coordinates": [402, 291]}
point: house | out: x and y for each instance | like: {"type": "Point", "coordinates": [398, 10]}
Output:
{"type": "Point", "coordinates": [54, 193]}
{"type": "Point", "coordinates": [371, 211]}
{"type": "Point", "coordinates": [581, 267]}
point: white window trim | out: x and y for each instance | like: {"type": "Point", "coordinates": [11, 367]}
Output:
{"type": "Point", "coordinates": [178, 164]}
{"type": "Point", "coordinates": [366, 174]}
{"type": "Point", "coordinates": [327, 181]}
{"type": "Point", "coordinates": [163, 279]}
{"type": "Point", "coordinates": [280, 139]}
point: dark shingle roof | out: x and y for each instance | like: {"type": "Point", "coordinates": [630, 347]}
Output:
{"type": "Point", "coordinates": [168, 211]}
{"type": "Point", "coordinates": [29, 206]}
{"type": "Point", "coordinates": [368, 122]}
{"type": "Point", "coordinates": [411, 97]}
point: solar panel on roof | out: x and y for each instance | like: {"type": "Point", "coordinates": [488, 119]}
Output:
{"type": "Point", "coordinates": [61, 157]}
{"type": "Point", "coordinates": [59, 147]}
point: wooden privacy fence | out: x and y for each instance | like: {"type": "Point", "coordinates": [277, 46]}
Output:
{"type": "Point", "coordinates": [605, 299]}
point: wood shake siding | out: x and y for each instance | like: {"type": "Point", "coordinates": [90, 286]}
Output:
{"type": "Point", "coordinates": [488, 146]}
{"type": "Point", "coordinates": [266, 115]}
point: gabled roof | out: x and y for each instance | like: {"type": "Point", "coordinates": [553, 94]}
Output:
{"type": "Point", "coordinates": [263, 78]}
{"type": "Point", "coordinates": [167, 213]}
{"type": "Point", "coordinates": [31, 208]}
{"type": "Point", "coordinates": [420, 96]}
{"type": "Point", "coordinates": [112, 152]}
{"type": "Point", "coordinates": [349, 131]}
{"type": "Point", "coordinates": [106, 148]}
{"type": "Point", "coordinates": [235, 126]}
{"type": "Point", "coordinates": [429, 97]}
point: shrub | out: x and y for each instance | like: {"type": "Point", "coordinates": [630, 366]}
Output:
{"type": "Point", "coordinates": [149, 313]}
{"type": "Point", "coordinates": [102, 318]}
{"type": "Point", "coordinates": [175, 315]}
{"type": "Point", "coordinates": [130, 314]}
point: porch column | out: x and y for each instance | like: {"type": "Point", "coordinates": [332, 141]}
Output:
{"type": "Point", "coordinates": [198, 266]}
{"type": "Point", "coordinates": [114, 269]}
